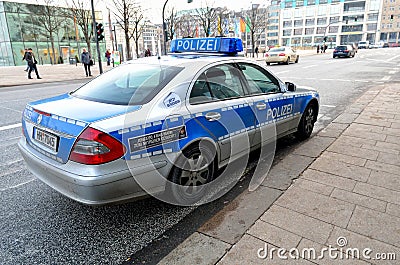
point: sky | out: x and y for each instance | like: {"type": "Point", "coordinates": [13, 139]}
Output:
{"type": "Point", "coordinates": [153, 8]}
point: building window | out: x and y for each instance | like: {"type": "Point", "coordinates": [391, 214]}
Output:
{"type": "Point", "coordinates": [372, 26]}
{"type": "Point", "coordinates": [322, 10]}
{"type": "Point", "coordinates": [389, 25]}
{"type": "Point", "coordinates": [288, 4]}
{"type": "Point", "coordinates": [323, 1]}
{"type": "Point", "coordinates": [310, 11]}
{"type": "Point", "coordinates": [334, 20]}
{"type": "Point", "coordinates": [299, 3]}
{"type": "Point", "coordinates": [321, 21]}
{"type": "Point", "coordinates": [310, 22]}
{"type": "Point", "coordinates": [392, 36]}
{"type": "Point", "coordinates": [287, 32]}
{"type": "Point", "coordinates": [298, 23]}
{"type": "Point", "coordinates": [372, 17]}
{"type": "Point", "coordinates": [298, 32]}
{"type": "Point", "coordinates": [398, 24]}
{"type": "Point", "coordinates": [287, 24]}
{"type": "Point", "coordinates": [298, 12]}
{"type": "Point", "coordinates": [309, 31]}
{"type": "Point", "coordinates": [310, 2]}
{"type": "Point", "coordinates": [321, 30]}
{"type": "Point", "coordinates": [287, 13]}
{"type": "Point", "coordinates": [333, 29]}
{"type": "Point", "coordinates": [374, 5]}
{"type": "Point", "coordinates": [335, 1]}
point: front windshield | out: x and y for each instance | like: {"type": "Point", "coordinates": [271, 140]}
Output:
{"type": "Point", "coordinates": [129, 84]}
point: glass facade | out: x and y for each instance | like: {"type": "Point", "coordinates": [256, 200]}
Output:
{"type": "Point", "coordinates": [23, 27]}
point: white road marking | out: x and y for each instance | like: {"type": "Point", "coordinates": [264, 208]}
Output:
{"type": "Point", "coordinates": [18, 185]}
{"type": "Point", "coordinates": [281, 72]}
{"type": "Point", "coordinates": [391, 59]}
{"type": "Point", "coordinates": [11, 126]}
{"type": "Point", "coordinates": [309, 66]}
{"type": "Point", "coordinates": [392, 72]}
{"type": "Point", "coordinates": [385, 78]}
{"type": "Point", "coordinates": [328, 106]}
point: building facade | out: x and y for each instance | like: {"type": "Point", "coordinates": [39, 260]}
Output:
{"type": "Point", "coordinates": [313, 22]}
{"type": "Point", "coordinates": [22, 27]}
{"type": "Point", "coordinates": [390, 22]}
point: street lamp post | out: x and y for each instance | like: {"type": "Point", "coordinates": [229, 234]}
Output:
{"type": "Point", "coordinates": [97, 41]}
{"type": "Point", "coordinates": [165, 26]}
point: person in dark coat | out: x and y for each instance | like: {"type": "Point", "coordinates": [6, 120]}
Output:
{"type": "Point", "coordinates": [24, 58]}
{"type": "Point", "coordinates": [31, 60]}
{"type": "Point", "coordinates": [256, 50]}
{"type": "Point", "coordinates": [85, 59]}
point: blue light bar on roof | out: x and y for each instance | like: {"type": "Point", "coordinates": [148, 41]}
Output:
{"type": "Point", "coordinates": [207, 45]}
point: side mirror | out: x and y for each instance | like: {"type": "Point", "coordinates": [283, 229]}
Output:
{"type": "Point", "coordinates": [290, 86]}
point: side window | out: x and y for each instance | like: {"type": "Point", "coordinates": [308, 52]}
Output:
{"type": "Point", "coordinates": [217, 83]}
{"type": "Point", "coordinates": [259, 80]}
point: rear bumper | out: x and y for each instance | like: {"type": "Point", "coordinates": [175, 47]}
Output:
{"type": "Point", "coordinates": [275, 59]}
{"type": "Point", "coordinates": [110, 187]}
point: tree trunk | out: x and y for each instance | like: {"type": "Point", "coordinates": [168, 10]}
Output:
{"type": "Point", "coordinates": [128, 48]}
{"type": "Point", "coordinates": [52, 48]}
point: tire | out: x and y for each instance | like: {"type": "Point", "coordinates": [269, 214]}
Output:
{"type": "Point", "coordinates": [193, 169]}
{"type": "Point", "coordinates": [307, 121]}
{"type": "Point", "coordinates": [334, 56]}
{"type": "Point", "coordinates": [287, 61]}
{"type": "Point", "coordinates": [268, 63]}
{"type": "Point", "coordinates": [297, 59]}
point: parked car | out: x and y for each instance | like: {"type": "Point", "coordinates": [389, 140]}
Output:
{"type": "Point", "coordinates": [344, 51]}
{"type": "Point", "coordinates": [176, 118]}
{"type": "Point", "coordinates": [283, 54]}
{"type": "Point", "coordinates": [363, 44]}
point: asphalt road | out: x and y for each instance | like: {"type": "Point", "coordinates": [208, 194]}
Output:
{"type": "Point", "coordinates": [39, 226]}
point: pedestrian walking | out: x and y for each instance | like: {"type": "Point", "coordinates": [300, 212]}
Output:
{"type": "Point", "coordinates": [325, 47]}
{"type": "Point", "coordinates": [85, 59]}
{"type": "Point", "coordinates": [31, 60]}
{"type": "Point", "coordinates": [24, 58]}
{"type": "Point", "coordinates": [317, 48]}
{"type": "Point", "coordinates": [256, 50]}
{"type": "Point", "coordinates": [108, 57]}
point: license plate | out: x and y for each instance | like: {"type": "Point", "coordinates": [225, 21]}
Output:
{"type": "Point", "coordinates": [274, 55]}
{"type": "Point", "coordinates": [47, 139]}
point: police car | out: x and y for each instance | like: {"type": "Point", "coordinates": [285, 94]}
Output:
{"type": "Point", "coordinates": [157, 124]}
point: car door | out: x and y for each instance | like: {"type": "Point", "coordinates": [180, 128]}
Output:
{"type": "Point", "coordinates": [217, 101]}
{"type": "Point", "coordinates": [271, 105]}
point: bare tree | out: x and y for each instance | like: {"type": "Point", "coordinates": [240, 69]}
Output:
{"type": "Point", "coordinates": [171, 22]}
{"type": "Point", "coordinates": [50, 18]}
{"type": "Point", "coordinates": [184, 25]}
{"type": "Point", "coordinates": [137, 27]}
{"type": "Point", "coordinates": [207, 17]}
{"type": "Point", "coordinates": [83, 18]}
{"type": "Point", "coordinates": [125, 12]}
{"type": "Point", "coordinates": [255, 20]}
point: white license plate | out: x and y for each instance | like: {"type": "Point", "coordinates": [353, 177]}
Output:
{"type": "Point", "coordinates": [48, 139]}
{"type": "Point", "coordinates": [274, 55]}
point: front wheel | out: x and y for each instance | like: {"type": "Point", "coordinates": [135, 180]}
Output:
{"type": "Point", "coordinates": [307, 121]}
{"type": "Point", "coordinates": [193, 170]}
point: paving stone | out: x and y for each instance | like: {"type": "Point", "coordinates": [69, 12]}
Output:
{"type": "Point", "coordinates": [315, 205]}
{"type": "Point", "coordinates": [392, 139]}
{"type": "Point", "coordinates": [393, 209]}
{"type": "Point", "coordinates": [314, 146]}
{"type": "Point", "coordinates": [380, 149]}
{"type": "Point", "coordinates": [274, 235]}
{"type": "Point", "coordinates": [341, 148]}
{"type": "Point", "coordinates": [395, 125]}
{"type": "Point", "coordinates": [387, 158]}
{"type": "Point", "coordinates": [357, 127]}
{"type": "Point", "coordinates": [246, 252]}
{"type": "Point", "coordinates": [391, 131]}
{"type": "Point", "coordinates": [346, 118]}
{"type": "Point", "coordinates": [344, 158]}
{"type": "Point", "coordinates": [353, 141]}
{"type": "Point", "coordinates": [359, 200]}
{"type": "Point", "coordinates": [232, 221]}
{"type": "Point", "coordinates": [366, 135]}
{"type": "Point", "coordinates": [298, 223]}
{"type": "Point", "coordinates": [395, 169]}
{"type": "Point", "coordinates": [197, 249]}
{"type": "Point", "coordinates": [387, 145]}
{"type": "Point", "coordinates": [329, 179]}
{"type": "Point", "coordinates": [384, 179]}
{"type": "Point", "coordinates": [373, 121]}
{"type": "Point", "coordinates": [380, 226]}
{"type": "Point", "coordinates": [377, 192]}
{"type": "Point", "coordinates": [307, 247]}
{"type": "Point", "coordinates": [341, 169]}
{"type": "Point", "coordinates": [313, 186]}
{"type": "Point", "coordinates": [333, 130]}
{"type": "Point", "coordinates": [361, 242]}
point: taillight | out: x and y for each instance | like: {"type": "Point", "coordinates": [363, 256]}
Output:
{"type": "Point", "coordinates": [94, 147]}
{"type": "Point", "coordinates": [346, 50]}
{"type": "Point", "coordinates": [266, 55]}
{"type": "Point", "coordinates": [282, 54]}
{"type": "Point", "coordinates": [335, 50]}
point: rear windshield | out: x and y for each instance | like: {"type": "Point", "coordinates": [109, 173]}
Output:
{"type": "Point", "coordinates": [129, 84]}
{"type": "Point", "coordinates": [277, 50]}
{"type": "Point", "coordinates": [341, 48]}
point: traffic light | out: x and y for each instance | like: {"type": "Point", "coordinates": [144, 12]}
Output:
{"type": "Point", "coordinates": [99, 31]}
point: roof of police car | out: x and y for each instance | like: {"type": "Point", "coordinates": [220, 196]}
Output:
{"type": "Point", "coordinates": [180, 59]}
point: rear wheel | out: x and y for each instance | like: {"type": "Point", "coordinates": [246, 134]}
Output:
{"type": "Point", "coordinates": [193, 170]}
{"type": "Point", "coordinates": [268, 63]}
{"type": "Point", "coordinates": [297, 59]}
{"type": "Point", "coordinates": [287, 61]}
{"type": "Point", "coordinates": [307, 121]}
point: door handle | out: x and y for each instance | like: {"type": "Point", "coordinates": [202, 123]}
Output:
{"type": "Point", "coordinates": [213, 116]}
{"type": "Point", "coordinates": [261, 106]}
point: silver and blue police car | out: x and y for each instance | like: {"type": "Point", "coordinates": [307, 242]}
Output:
{"type": "Point", "coordinates": [159, 120]}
